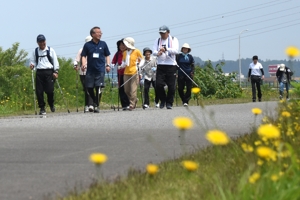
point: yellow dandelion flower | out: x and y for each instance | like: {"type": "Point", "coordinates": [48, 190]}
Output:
{"type": "Point", "coordinates": [264, 152]}
{"type": "Point", "coordinates": [274, 177]}
{"type": "Point", "coordinates": [152, 169]}
{"type": "Point", "coordinates": [254, 177]}
{"type": "Point", "coordinates": [190, 165]}
{"type": "Point", "coordinates": [285, 165]}
{"type": "Point", "coordinates": [266, 119]}
{"type": "Point", "coordinates": [98, 158]}
{"type": "Point", "coordinates": [281, 173]}
{"type": "Point", "coordinates": [196, 90]}
{"type": "Point", "coordinates": [292, 51]}
{"type": "Point", "coordinates": [183, 123]}
{"type": "Point", "coordinates": [247, 148]}
{"type": "Point", "coordinates": [256, 111]}
{"type": "Point", "coordinates": [260, 162]}
{"type": "Point", "coordinates": [286, 114]}
{"type": "Point", "coordinates": [257, 143]}
{"type": "Point", "coordinates": [217, 137]}
{"type": "Point", "coordinates": [268, 131]}
{"type": "Point", "coordinates": [290, 132]}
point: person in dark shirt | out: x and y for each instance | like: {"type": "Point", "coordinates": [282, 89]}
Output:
{"type": "Point", "coordinates": [186, 63]}
{"type": "Point", "coordinates": [95, 53]}
{"type": "Point", "coordinates": [283, 75]}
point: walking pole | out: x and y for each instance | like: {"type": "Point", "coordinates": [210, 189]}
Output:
{"type": "Point", "coordinates": [141, 88]}
{"type": "Point", "coordinates": [33, 87]}
{"type": "Point", "coordinates": [118, 92]}
{"type": "Point", "coordinates": [176, 90]}
{"type": "Point", "coordinates": [111, 89]}
{"type": "Point", "coordinates": [62, 95]}
{"type": "Point", "coordinates": [76, 89]}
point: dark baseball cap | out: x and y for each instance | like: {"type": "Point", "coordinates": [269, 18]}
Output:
{"type": "Point", "coordinates": [163, 29]}
{"type": "Point", "coordinates": [40, 38]}
{"type": "Point", "coordinates": [255, 58]}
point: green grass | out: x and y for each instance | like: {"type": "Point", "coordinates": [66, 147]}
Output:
{"type": "Point", "coordinates": [223, 171]}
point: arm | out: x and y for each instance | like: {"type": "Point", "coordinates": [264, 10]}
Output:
{"type": "Point", "coordinates": [155, 47]}
{"type": "Point", "coordinates": [262, 72]}
{"type": "Point", "coordinates": [77, 59]}
{"type": "Point", "coordinates": [55, 61]}
{"type": "Point", "coordinates": [32, 61]}
{"type": "Point", "coordinates": [175, 47]}
{"type": "Point", "coordinates": [83, 58]}
{"type": "Point", "coordinates": [107, 58]}
{"type": "Point", "coordinates": [249, 74]}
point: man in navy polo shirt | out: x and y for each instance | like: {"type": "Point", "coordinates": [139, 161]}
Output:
{"type": "Point", "coordinates": [96, 54]}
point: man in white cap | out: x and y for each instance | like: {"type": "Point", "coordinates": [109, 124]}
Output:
{"type": "Point", "coordinates": [165, 48]}
{"type": "Point", "coordinates": [186, 63]}
{"type": "Point", "coordinates": [283, 75]}
{"type": "Point", "coordinates": [132, 57]}
{"type": "Point", "coordinates": [44, 60]}
{"type": "Point", "coordinates": [88, 100]}
{"type": "Point", "coordinates": [96, 54]}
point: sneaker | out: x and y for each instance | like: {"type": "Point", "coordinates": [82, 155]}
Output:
{"type": "Point", "coordinates": [185, 105]}
{"type": "Point", "coordinates": [157, 105]}
{"type": "Point", "coordinates": [162, 105]}
{"type": "Point", "coordinates": [146, 106]}
{"type": "Point", "coordinates": [91, 108]}
{"type": "Point", "coordinates": [254, 100]}
{"type": "Point", "coordinates": [131, 108]}
{"type": "Point", "coordinates": [259, 100]}
{"type": "Point", "coordinates": [280, 97]}
{"type": "Point", "coordinates": [169, 106]}
{"type": "Point", "coordinates": [96, 110]}
{"type": "Point", "coordinates": [125, 108]}
{"type": "Point", "coordinates": [42, 111]}
{"type": "Point", "coordinates": [86, 109]}
{"type": "Point", "coordinates": [52, 109]}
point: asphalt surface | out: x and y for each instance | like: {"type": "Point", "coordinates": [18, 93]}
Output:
{"type": "Point", "coordinates": [44, 157]}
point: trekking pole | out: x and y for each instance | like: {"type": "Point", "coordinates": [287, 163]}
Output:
{"type": "Point", "coordinates": [111, 89]}
{"type": "Point", "coordinates": [76, 89]}
{"type": "Point", "coordinates": [118, 92]}
{"type": "Point", "coordinates": [62, 95]}
{"type": "Point", "coordinates": [33, 87]}
{"type": "Point", "coordinates": [176, 90]}
{"type": "Point", "coordinates": [142, 98]}
{"type": "Point", "coordinates": [184, 72]}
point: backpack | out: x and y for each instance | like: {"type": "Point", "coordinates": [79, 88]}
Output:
{"type": "Point", "coordinates": [159, 40]}
{"type": "Point", "coordinates": [48, 56]}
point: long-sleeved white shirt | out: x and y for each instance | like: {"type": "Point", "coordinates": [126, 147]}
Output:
{"type": "Point", "coordinates": [77, 60]}
{"type": "Point", "coordinates": [43, 62]}
{"type": "Point", "coordinates": [165, 59]}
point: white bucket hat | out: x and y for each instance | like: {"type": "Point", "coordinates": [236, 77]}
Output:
{"type": "Point", "coordinates": [129, 42]}
{"type": "Point", "coordinates": [186, 45]}
{"type": "Point", "coordinates": [88, 38]}
{"type": "Point", "coordinates": [282, 67]}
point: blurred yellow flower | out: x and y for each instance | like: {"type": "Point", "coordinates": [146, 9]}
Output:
{"type": "Point", "coordinates": [268, 131]}
{"type": "Point", "coordinates": [281, 173]}
{"type": "Point", "coordinates": [258, 142]}
{"type": "Point", "coordinates": [247, 148]}
{"type": "Point", "coordinates": [274, 177]}
{"type": "Point", "coordinates": [152, 169]}
{"type": "Point", "coordinates": [190, 165]}
{"type": "Point", "coordinates": [286, 114]}
{"type": "Point", "coordinates": [292, 51]}
{"type": "Point", "coordinates": [195, 90]}
{"type": "Point", "coordinates": [98, 158]}
{"type": "Point", "coordinates": [183, 123]}
{"type": "Point", "coordinates": [260, 162]}
{"type": "Point", "coordinates": [285, 165]}
{"type": "Point", "coordinates": [256, 111]}
{"type": "Point", "coordinates": [264, 152]}
{"type": "Point", "coordinates": [217, 137]}
{"type": "Point", "coordinates": [254, 177]}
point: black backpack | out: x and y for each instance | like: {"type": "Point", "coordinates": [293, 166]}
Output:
{"type": "Point", "coordinates": [48, 56]}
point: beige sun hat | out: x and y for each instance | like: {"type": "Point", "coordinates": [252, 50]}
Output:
{"type": "Point", "coordinates": [186, 45]}
{"type": "Point", "coordinates": [282, 67]}
{"type": "Point", "coordinates": [88, 38]}
{"type": "Point", "coordinates": [129, 42]}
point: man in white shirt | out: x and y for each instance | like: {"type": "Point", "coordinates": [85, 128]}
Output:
{"type": "Point", "coordinates": [44, 60]}
{"type": "Point", "coordinates": [256, 73]}
{"type": "Point", "coordinates": [165, 48]}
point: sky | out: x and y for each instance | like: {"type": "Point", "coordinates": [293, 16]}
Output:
{"type": "Point", "coordinates": [212, 28]}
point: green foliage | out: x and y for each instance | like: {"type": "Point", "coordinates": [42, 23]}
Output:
{"type": "Point", "coordinates": [214, 83]}
{"type": "Point", "coordinates": [12, 56]}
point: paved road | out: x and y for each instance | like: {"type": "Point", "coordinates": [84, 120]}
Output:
{"type": "Point", "coordinates": [42, 157]}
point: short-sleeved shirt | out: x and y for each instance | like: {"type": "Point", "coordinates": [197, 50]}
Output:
{"type": "Point", "coordinates": [135, 57]}
{"type": "Point", "coordinates": [185, 64]}
{"type": "Point", "coordinates": [96, 54]}
{"type": "Point", "coordinates": [255, 68]}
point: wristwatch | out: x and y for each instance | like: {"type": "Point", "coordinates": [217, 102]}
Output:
{"type": "Point", "coordinates": [107, 65]}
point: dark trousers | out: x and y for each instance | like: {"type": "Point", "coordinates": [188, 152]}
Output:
{"type": "Point", "coordinates": [255, 82]}
{"type": "Point", "coordinates": [45, 83]}
{"type": "Point", "coordinates": [183, 81]}
{"type": "Point", "coordinates": [166, 75]}
{"type": "Point", "coordinates": [123, 97]}
{"type": "Point", "coordinates": [95, 97]}
{"type": "Point", "coordinates": [147, 85]}
{"type": "Point", "coordinates": [87, 99]}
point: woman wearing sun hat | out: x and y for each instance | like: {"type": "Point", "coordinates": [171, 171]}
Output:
{"type": "Point", "coordinates": [186, 63]}
{"type": "Point", "coordinates": [131, 58]}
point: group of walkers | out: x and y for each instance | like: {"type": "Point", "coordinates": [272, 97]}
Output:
{"type": "Point", "coordinates": [160, 67]}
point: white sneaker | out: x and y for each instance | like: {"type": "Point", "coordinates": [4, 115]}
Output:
{"type": "Point", "coordinates": [146, 106]}
{"type": "Point", "coordinates": [91, 108]}
{"type": "Point", "coordinates": [157, 105]}
{"type": "Point", "coordinates": [185, 105]}
{"type": "Point", "coordinates": [86, 109]}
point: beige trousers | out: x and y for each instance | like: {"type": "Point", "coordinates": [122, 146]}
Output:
{"type": "Point", "coordinates": [131, 88]}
